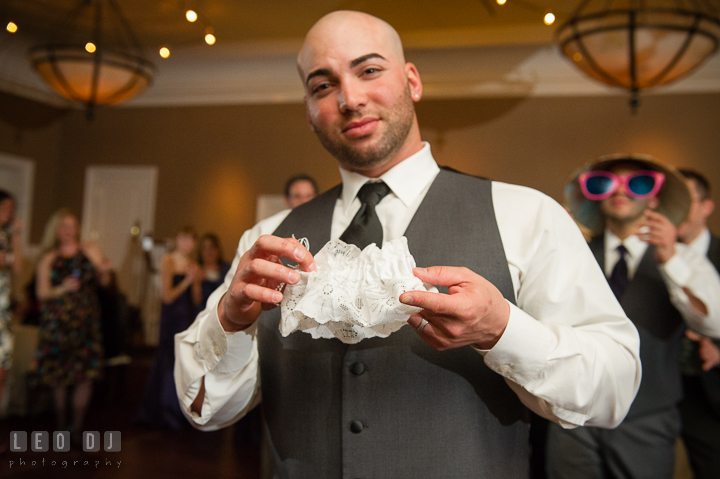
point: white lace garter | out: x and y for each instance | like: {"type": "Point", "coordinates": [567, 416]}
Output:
{"type": "Point", "coordinates": [354, 294]}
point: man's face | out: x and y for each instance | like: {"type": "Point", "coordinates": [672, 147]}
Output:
{"type": "Point", "coordinates": [620, 207]}
{"type": "Point", "coordinates": [301, 191]}
{"type": "Point", "coordinates": [700, 209]}
{"type": "Point", "coordinates": [358, 96]}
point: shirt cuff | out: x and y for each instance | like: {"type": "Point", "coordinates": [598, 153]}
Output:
{"type": "Point", "coordinates": [220, 351]}
{"type": "Point", "coordinates": [677, 270]}
{"type": "Point", "coordinates": [522, 351]}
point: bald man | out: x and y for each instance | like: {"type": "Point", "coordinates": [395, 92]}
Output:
{"type": "Point", "coordinates": [524, 317]}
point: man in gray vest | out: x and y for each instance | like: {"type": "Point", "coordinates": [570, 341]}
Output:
{"type": "Point", "coordinates": [700, 408]}
{"type": "Point", "coordinates": [524, 317]}
{"type": "Point", "coordinates": [633, 204]}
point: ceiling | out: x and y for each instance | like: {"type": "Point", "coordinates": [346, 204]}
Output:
{"type": "Point", "coordinates": [461, 47]}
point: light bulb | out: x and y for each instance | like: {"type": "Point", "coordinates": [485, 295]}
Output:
{"type": "Point", "coordinates": [164, 52]}
{"type": "Point", "coordinates": [501, 2]}
{"type": "Point", "coordinates": [11, 27]}
{"type": "Point", "coordinates": [191, 16]}
{"type": "Point", "coordinates": [549, 18]}
{"type": "Point", "coordinates": [210, 39]}
{"type": "Point", "coordinates": [90, 47]}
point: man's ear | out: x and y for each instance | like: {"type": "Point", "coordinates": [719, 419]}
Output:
{"type": "Point", "coordinates": [414, 81]}
{"type": "Point", "coordinates": [708, 206]}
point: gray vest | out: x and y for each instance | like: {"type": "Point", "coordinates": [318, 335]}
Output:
{"type": "Point", "coordinates": [396, 408]}
{"type": "Point", "coordinates": [647, 303]}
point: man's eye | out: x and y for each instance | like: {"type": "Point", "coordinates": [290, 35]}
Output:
{"type": "Point", "coordinates": [369, 71]}
{"type": "Point", "coordinates": [321, 87]}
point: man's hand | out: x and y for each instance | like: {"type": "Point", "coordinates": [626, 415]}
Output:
{"type": "Point", "coordinates": [474, 313]}
{"type": "Point", "coordinates": [657, 230]}
{"type": "Point", "coordinates": [709, 352]}
{"type": "Point", "coordinates": [259, 273]}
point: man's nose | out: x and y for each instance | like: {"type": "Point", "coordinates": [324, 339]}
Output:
{"type": "Point", "coordinates": [351, 97]}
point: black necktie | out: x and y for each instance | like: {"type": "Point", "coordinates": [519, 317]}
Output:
{"type": "Point", "coordinates": [619, 276]}
{"type": "Point", "coordinates": [365, 227]}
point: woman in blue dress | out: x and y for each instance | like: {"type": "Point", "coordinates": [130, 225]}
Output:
{"type": "Point", "coordinates": [178, 273]}
{"type": "Point", "coordinates": [213, 268]}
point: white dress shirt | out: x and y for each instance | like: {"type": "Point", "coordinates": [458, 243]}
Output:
{"type": "Point", "coordinates": [568, 351]}
{"type": "Point", "coordinates": [687, 269]}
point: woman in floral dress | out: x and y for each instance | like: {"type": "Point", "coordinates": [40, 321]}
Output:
{"type": "Point", "coordinates": [10, 262]}
{"type": "Point", "coordinates": [70, 352]}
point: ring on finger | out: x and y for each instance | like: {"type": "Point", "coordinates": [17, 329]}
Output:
{"type": "Point", "coordinates": [423, 323]}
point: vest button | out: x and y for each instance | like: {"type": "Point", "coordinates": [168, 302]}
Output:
{"type": "Point", "coordinates": [356, 426]}
{"type": "Point", "coordinates": [357, 368]}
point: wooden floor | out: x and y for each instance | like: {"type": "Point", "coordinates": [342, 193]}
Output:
{"type": "Point", "coordinates": [145, 453]}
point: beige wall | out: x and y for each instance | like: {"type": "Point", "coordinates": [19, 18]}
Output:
{"type": "Point", "coordinates": [213, 161]}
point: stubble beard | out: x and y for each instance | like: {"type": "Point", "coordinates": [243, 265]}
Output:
{"type": "Point", "coordinates": [399, 122]}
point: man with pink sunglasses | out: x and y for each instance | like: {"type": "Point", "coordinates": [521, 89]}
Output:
{"type": "Point", "coordinates": [633, 205]}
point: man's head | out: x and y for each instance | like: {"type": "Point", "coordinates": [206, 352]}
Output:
{"type": "Point", "coordinates": [359, 91]}
{"type": "Point", "coordinates": [701, 207]}
{"type": "Point", "coordinates": [300, 189]}
{"type": "Point", "coordinates": [621, 208]}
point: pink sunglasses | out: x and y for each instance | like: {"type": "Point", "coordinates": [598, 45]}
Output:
{"type": "Point", "coordinates": [640, 185]}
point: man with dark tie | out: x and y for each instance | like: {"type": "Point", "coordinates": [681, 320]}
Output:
{"type": "Point", "coordinates": [700, 408]}
{"type": "Point", "coordinates": [634, 204]}
{"type": "Point", "coordinates": [524, 317]}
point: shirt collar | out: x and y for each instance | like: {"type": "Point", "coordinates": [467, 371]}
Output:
{"type": "Point", "coordinates": [406, 180]}
{"type": "Point", "coordinates": [634, 245]}
{"type": "Point", "coordinates": [701, 244]}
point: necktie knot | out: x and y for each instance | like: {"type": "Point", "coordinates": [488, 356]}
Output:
{"type": "Point", "coordinates": [622, 250]}
{"type": "Point", "coordinates": [372, 193]}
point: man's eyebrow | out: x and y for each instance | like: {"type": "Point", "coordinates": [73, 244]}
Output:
{"type": "Point", "coordinates": [365, 58]}
{"type": "Point", "coordinates": [316, 73]}
{"type": "Point", "coordinates": [353, 64]}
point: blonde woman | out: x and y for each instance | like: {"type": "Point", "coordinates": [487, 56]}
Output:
{"type": "Point", "coordinates": [70, 352]}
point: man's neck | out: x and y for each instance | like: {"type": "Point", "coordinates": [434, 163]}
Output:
{"type": "Point", "coordinates": [622, 229]}
{"type": "Point", "coordinates": [692, 235]}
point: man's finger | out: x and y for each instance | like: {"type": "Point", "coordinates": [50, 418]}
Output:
{"type": "Point", "coordinates": [259, 269]}
{"type": "Point", "coordinates": [443, 275]}
{"type": "Point", "coordinates": [268, 246]}
{"type": "Point", "coordinates": [437, 303]}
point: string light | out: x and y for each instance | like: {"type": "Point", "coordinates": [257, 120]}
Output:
{"type": "Point", "coordinates": [164, 52]}
{"type": "Point", "coordinates": [191, 16]}
{"type": "Point", "coordinates": [11, 27]}
{"type": "Point", "coordinates": [210, 39]}
{"type": "Point", "coordinates": [501, 2]}
{"type": "Point", "coordinates": [549, 18]}
{"type": "Point", "coordinates": [90, 47]}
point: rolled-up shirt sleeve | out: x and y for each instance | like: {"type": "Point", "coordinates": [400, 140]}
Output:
{"type": "Point", "coordinates": [569, 351]}
{"type": "Point", "coordinates": [687, 270]}
{"type": "Point", "coordinates": [226, 362]}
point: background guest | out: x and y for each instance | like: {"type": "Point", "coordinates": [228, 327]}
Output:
{"type": "Point", "coordinates": [11, 262]}
{"type": "Point", "coordinates": [300, 189]}
{"type": "Point", "coordinates": [70, 352]}
{"type": "Point", "coordinates": [178, 272]}
{"type": "Point", "coordinates": [633, 204]}
{"type": "Point", "coordinates": [213, 268]}
{"type": "Point", "coordinates": [700, 408]}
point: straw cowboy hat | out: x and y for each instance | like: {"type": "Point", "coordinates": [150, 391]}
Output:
{"type": "Point", "coordinates": [674, 196]}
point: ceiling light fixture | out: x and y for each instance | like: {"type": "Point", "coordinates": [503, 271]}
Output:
{"type": "Point", "coordinates": [112, 73]}
{"type": "Point", "coordinates": [635, 44]}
